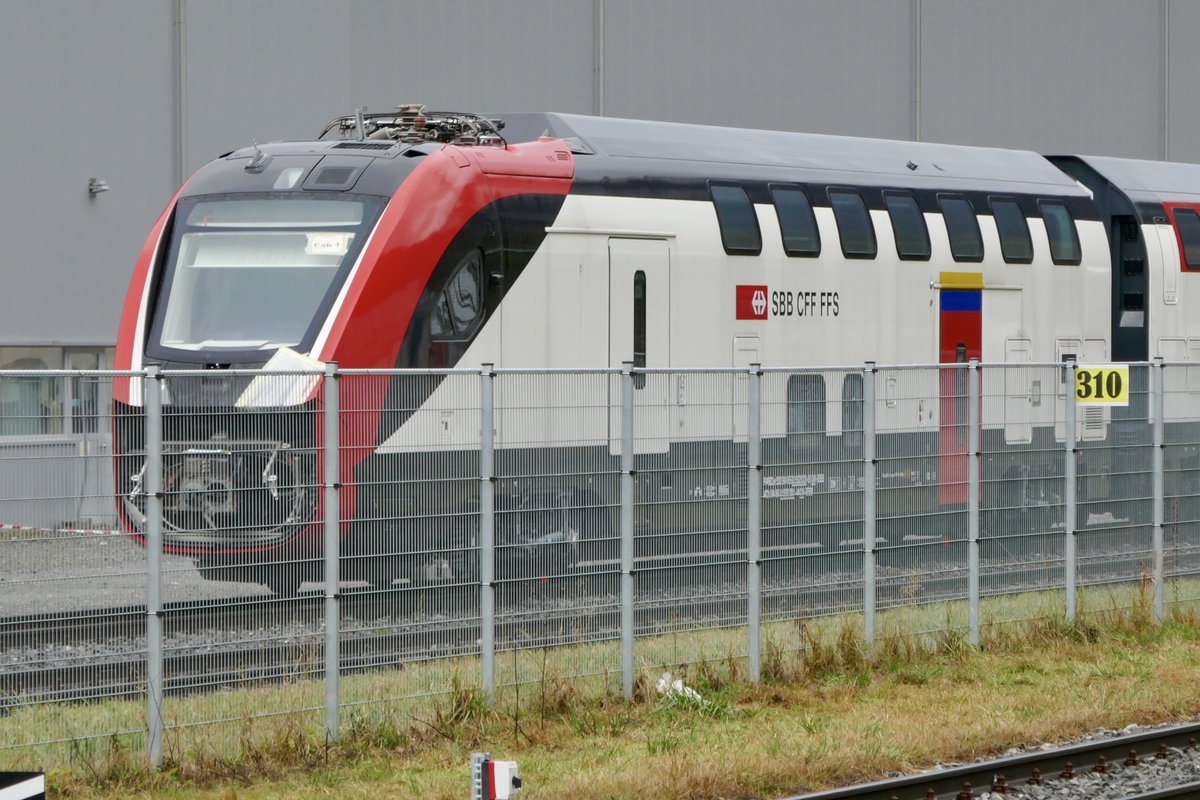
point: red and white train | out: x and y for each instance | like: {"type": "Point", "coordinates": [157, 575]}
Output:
{"type": "Point", "coordinates": [423, 239]}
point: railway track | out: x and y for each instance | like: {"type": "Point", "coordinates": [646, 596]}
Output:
{"type": "Point", "coordinates": [385, 630]}
{"type": "Point", "coordinates": [895, 586]}
{"type": "Point", "coordinates": [1090, 769]}
{"type": "Point", "coordinates": [360, 651]}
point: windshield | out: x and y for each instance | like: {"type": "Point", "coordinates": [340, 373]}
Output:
{"type": "Point", "coordinates": [252, 273]}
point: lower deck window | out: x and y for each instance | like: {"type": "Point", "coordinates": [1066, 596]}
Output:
{"type": "Point", "coordinates": [805, 410]}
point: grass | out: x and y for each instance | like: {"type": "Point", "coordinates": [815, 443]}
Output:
{"type": "Point", "coordinates": [829, 710]}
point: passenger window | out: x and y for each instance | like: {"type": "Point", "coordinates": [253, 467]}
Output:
{"type": "Point", "coordinates": [962, 227]}
{"type": "Point", "coordinates": [1015, 243]}
{"type": "Point", "coordinates": [639, 327]}
{"type": "Point", "coordinates": [908, 226]}
{"type": "Point", "coordinates": [796, 222]}
{"type": "Point", "coordinates": [737, 220]}
{"type": "Point", "coordinates": [805, 410]}
{"type": "Point", "coordinates": [459, 306]}
{"type": "Point", "coordinates": [1060, 229]}
{"type": "Point", "coordinates": [854, 224]}
{"type": "Point", "coordinates": [852, 409]}
{"type": "Point", "coordinates": [1187, 224]}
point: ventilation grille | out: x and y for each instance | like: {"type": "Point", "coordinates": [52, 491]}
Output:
{"type": "Point", "coordinates": [363, 146]}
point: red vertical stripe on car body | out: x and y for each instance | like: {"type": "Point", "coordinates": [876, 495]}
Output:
{"type": "Point", "coordinates": [959, 323]}
{"type": "Point", "coordinates": [1184, 266]}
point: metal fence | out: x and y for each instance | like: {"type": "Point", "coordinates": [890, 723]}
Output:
{"type": "Point", "coordinates": [334, 542]}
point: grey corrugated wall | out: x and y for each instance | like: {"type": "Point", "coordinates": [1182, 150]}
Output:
{"type": "Point", "coordinates": [138, 92]}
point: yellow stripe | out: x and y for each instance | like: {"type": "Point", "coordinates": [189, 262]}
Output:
{"type": "Point", "coordinates": [961, 280]}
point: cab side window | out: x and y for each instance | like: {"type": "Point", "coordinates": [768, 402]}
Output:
{"type": "Point", "coordinates": [459, 306]}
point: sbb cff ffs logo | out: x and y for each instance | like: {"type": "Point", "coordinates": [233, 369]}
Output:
{"type": "Point", "coordinates": [758, 302]}
{"type": "Point", "coordinates": [751, 302]}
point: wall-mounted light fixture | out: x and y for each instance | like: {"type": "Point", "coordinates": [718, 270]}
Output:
{"type": "Point", "coordinates": [96, 186]}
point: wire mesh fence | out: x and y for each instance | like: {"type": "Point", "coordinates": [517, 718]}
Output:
{"type": "Point", "coordinates": [206, 547]}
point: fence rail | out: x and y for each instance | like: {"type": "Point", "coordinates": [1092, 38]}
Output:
{"type": "Point", "coordinates": [456, 516]}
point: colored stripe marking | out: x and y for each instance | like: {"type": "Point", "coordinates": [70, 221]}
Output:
{"type": "Point", "coordinates": [955, 300]}
{"type": "Point", "coordinates": [961, 280]}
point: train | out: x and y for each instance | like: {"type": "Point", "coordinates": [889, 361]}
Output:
{"type": "Point", "coordinates": [422, 240]}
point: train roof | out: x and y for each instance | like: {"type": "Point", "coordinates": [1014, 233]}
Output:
{"type": "Point", "coordinates": [821, 157]}
{"type": "Point", "coordinates": [1144, 181]}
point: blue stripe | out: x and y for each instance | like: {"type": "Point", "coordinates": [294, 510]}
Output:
{"type": "Point", "coordinates": [960, 300]}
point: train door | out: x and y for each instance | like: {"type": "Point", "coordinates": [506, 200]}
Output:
{"type": "Point", "coordinates": [1022, 392]}
{"type": "Point", "coordinates": [745, 353]}
{"type": "Point", "coordinates": [639, 330]}
{"type": "Point", "coordinates": [960, 333]}
{"type": "Point", "coordinates": [1131, 297]}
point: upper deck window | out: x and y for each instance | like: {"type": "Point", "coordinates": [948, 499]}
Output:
{"type": "Point", "coordinates": [1060, 228]}
{"type": "Point", "coordinates": [1187, 225]}
{"type": "Point", "coordinates": [962, 227]}
{"type": "Point", "coordinates": [1015, 243]}
{"type": "Point", "coordinates": [908, 226]}
{"type": "Point", "coordinates": [737, 220]}
{"type": "Point", "coordinates": [854, 223]}
{"type": "Point", "coordinates": [797, 224]}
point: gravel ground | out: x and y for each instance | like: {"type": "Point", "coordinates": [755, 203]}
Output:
{"type": "Point", "coordinates": [69, 573]}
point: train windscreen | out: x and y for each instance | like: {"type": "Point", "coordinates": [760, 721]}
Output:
{"type": "Point", "coordinates": [252, 273]}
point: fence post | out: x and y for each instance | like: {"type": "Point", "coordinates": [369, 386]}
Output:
{"type": "Point", "coordinates": [627, 474]}
{"type": "Point", "coordinates": [1158, 409]}
{"type": "Point", "coordinates": [868, 503]}
{"type": "Point", "coordinates": [152, 486]}
{"type": "Point", "coordinates": [754, 520]}
{"type": "Point", "coordinates": [1069, 490]}
{"type": "Point", "coordinates": [332, 530]}
{"type": "Point", "coordinates": [973, 601]}
{"type": "Point", "coordinates": [487, 531]}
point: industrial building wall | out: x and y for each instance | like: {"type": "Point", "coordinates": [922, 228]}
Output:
{"type": "Point", "coordinates": [138, 93]}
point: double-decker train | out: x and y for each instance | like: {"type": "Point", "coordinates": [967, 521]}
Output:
{"type": "Point", "coordinates": [423, 239]}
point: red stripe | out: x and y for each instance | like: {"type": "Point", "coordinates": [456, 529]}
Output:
{"type": "Point", "coordinates": [965, 327]}
{"type": "Point", "coordinates": [1184, 266]}
{"type": "Point", "coordinates": [127, 332]}
{"type": "Point", "coordinates": [429, 209]}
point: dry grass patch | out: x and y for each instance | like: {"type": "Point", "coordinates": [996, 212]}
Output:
{"type": "Point", "coordinates": [830, 710]}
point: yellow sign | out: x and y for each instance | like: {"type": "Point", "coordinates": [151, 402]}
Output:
{"type": "Point", "coordinates": [1102, 385]}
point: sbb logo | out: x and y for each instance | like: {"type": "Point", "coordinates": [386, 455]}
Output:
{"type": "Point", "coordinates": [751, 302]}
